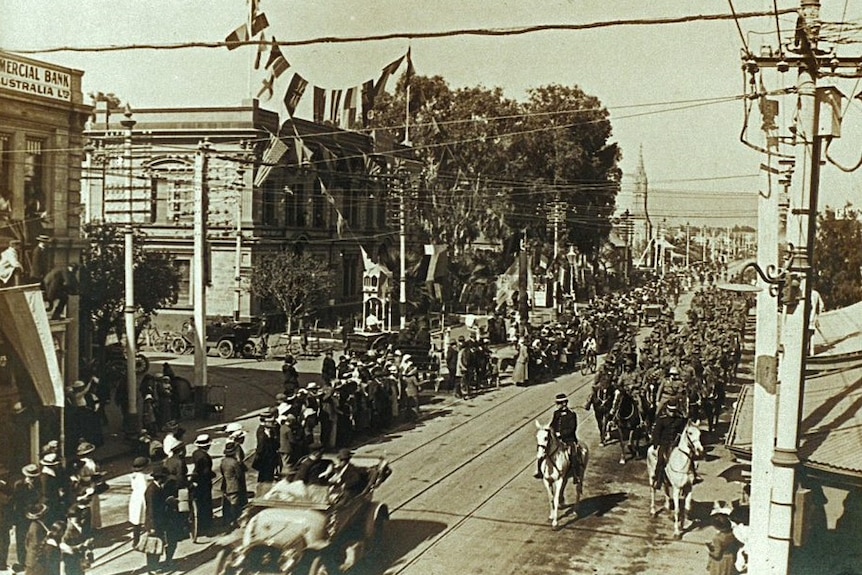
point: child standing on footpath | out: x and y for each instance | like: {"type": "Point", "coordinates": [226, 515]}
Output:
{"type": "Point", "coordinates": [722, 548]}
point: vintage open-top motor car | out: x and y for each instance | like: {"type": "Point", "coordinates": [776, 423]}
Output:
{"type": "Point", "coordinates": [308, 529]}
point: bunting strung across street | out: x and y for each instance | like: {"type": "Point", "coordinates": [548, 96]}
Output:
{"type": "Point", "coordinates": [294, 93]}
{"type": "Point", "coordinates": [235, 39]}
{"type": "Point", "coordinates": [335, 106]}
{"type": "Point", "coordinates": [390, 69]}
{"type": "Point", "coordinates": [277, 64]}
{"type": "Point", "coordinates": [319, 104]}
{"type": "Point", "coordinates": [341, 221]}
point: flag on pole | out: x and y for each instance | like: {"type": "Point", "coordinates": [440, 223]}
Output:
{"type": "Point", "coordinates": [294, 93]}
{"type": "Point", "coordinates": [390, 69]}
{"type": "Point", "coordinates": [273, 154]}
{"type": "Point", "coordinates": [25, 326]}
{"type": "Point", "coordinates": [237, 37]}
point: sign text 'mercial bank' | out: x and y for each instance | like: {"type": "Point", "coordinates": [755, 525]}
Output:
{"type": "Point", "coordinates": [30, 78]}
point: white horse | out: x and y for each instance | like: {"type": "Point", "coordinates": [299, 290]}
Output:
{"type": "Point", "coordinates": [678, 475]}
{"type": "Point", "coordinates": [556, 467]}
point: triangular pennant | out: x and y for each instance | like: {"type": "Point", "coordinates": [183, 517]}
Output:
{"type": "Point", "coordinates": [236, 38]}
{"type": "Point", "coordinates": [339, 226]}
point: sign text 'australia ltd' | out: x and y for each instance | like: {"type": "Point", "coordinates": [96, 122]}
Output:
{"type": "Point", "coordinates": [34, 79]}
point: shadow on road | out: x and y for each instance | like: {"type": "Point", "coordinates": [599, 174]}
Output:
{"type": "Point", "coordinates": [402, 536]}
{"type": "Point", "coordinates": [597, 506]}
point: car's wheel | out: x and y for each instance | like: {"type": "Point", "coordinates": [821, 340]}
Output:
{"type": "Point", "coordinates": [225, 349]}
{"type": "Point", "coordinates": [318, 566]}
{"type": "Point", "coordinates": [248, 350]}
{"type": "Point", "coordinates": [142, 364]}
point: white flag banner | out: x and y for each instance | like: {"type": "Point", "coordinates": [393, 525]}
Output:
{"type": "Point", "coordinates": [25, 326]}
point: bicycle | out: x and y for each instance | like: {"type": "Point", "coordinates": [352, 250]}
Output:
{"type": "Point", "coordinates": [256, 347]}
{"type": "Point", "coordinates": [588, 363]}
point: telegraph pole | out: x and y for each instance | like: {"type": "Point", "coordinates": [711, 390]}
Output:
{"type": "Point", "coordinates": [199, 270]}
{"type": "Point", "coordinates": [132, 425]}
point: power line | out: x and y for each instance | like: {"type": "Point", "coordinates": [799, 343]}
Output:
{"type": "Point", "coordinates": [513, 31]}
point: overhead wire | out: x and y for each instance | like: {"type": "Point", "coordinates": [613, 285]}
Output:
{"type": "Point", "coordinates": [492, 32]}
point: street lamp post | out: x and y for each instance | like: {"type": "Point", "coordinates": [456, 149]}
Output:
{"type": "Point", "coordinates": [131, 424]}
{"type": "Point", "coordinates": [572, 257]}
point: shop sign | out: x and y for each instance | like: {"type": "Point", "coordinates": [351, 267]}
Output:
{"type": "Point", "coordinates": [34, 79]}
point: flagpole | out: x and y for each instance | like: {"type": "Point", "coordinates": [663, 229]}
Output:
{"type": "Point", "coordinates": [251, 53]}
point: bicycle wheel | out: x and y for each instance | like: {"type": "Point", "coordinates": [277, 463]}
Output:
{"type": "Point", "coordinates": [592, 362]}
{"type": "Point", "coordinates": [585, 365]}
{"type": "Point", "coordinates": [179, 345]}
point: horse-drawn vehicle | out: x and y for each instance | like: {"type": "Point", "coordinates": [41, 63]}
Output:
{"type": "Point", "coordinates": [308, 529]}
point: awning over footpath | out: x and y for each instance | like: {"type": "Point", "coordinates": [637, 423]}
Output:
{"type": "Point", "coordinates": [831, 425]}
{"type": "Point", "coordinates": [25, 326]}
{"type": "Point", "coordinates": [839, 331]}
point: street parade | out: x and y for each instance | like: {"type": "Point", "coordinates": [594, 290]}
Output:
{"type": "Point", "coordinates": [460, 287]}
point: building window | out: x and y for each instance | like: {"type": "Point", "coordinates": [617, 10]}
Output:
{"type": "Point", "coordinates": [34, 178]}
{"type": "Point", "coordinates": [184, 295]}
{"type": "Point", "coordinates": [5, 177]}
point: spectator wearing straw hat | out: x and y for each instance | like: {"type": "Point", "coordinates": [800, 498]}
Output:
{"type": "Point", "coordinates": [54, 489]}
{"type": "Point", "coordinates": [202, 480]}
{"type": "Point", "coordinates": [26, 492]}
{"type": "Point", "coordinates": [137, 499]}
{"type": "Point", "coordinates": [76, 546]}
{"type": "Point", "coordinates": [89, 478]}
{"type": "Point", "coordinates": [37, 533]}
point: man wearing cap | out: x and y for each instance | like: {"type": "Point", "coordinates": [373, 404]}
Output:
{"type": "Point", "coordinates": [669, 425]}
{"type": "Point", "coordinates": [564, 424]}
{"type": "Point", "coordinates": [202, 480]}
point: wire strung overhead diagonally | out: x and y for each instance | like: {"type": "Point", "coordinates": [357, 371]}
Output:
{"type": "Point", "coordinates": [513, 31]}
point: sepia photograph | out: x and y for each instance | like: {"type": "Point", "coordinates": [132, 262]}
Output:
{"type": "Point", "coordinates": [400, 287]}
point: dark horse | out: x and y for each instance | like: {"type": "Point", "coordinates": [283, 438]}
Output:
{"type": "Point", "coordinates": [601, 402]}
{"type": "Point", "coordinates": [626, 418]}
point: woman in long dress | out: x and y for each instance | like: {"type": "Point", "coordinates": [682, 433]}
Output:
{"type": "Point", "coordinates": [137, 500]}
{"type": "Point", "coordinates": [519, 374]}
{"type": "Point", "coordinates": [89, 477]}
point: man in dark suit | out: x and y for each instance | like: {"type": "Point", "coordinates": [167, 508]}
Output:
{"type": "Point", "coordinates": [202, 481]}
{"type": "Point", "coordinates": [155, 517]}
{"type": "Point", "coordinates": [345, 475]}
{"type": "Point", "coordinates": [233, 485]}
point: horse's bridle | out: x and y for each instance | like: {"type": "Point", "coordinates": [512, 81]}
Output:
{"type": "Point", "coordinates": [549, 454]}
{"type": "Point", "coordinates": [688, 452]}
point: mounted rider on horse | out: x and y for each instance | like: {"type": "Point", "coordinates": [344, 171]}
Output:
{"type": "Point", "coordinates": [669, 425]}
{"type": "Point", "coordinates": [564, 424]}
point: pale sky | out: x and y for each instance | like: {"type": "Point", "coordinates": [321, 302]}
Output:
{"type": "Point", "coordinates": [697, 167]}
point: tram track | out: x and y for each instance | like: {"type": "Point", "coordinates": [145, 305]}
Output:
{"type": "Point", "coordinates": [450, 530]}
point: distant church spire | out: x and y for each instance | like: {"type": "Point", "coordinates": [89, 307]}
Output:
{"type": "Point", "coordinates": [640, 212]}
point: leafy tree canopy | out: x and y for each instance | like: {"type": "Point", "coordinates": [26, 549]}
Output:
{"type": "Point", "coordinates": [103, 279]}
{"type": "Point", "coordinates": [494, 166]}
{"type": "Point", "coordinates": [838, 258]}
{"type": "Point", "coordinates": [297, 283]}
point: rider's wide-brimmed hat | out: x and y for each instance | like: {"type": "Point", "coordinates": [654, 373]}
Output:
{"type": "Point", "coordinates": [562, 398]}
